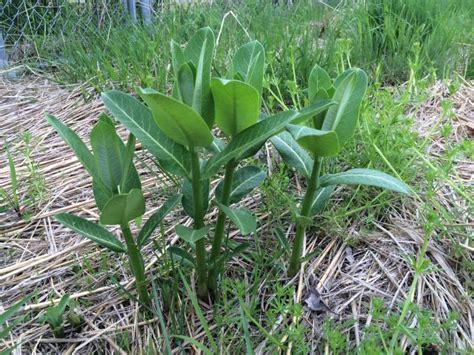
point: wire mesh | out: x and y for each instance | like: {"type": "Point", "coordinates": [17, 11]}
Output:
{"type": "Point", "coordinates": [26, 24]}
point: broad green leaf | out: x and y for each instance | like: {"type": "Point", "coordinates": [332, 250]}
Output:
{"type": "Point", "coordinates": [75, 143]}
{"type": "Point", "coordinates": [244, 181]}
{"type": "Point", "coordinates": [243, 219]}
{"type": "Point", "coordinates": [314, 109]}
{"type": "Point", "coordinates": [365, 177]}
{"type": "Point", "coordinates": [292, 154]}
{"type": "Point", "coordinates": [342, 118]}
{"type": "Point", "coordinates": [91, 231]}
{"type": "Point", "coordinates": [177, 60]}
{"type": "Point", "coordinates": [179, 121]}
{"type": "Point", "coordinates": [319, 143]}
{"type": "Point", "coordinates": [318, 80]}
{"type": "Point", "coordinates": [187, 199]}
{"type": "Point", "coordinates": [236, 105]}
{"type": "Point", "coordinates": [252, 136]}
{"type": "Point", "coordinates": [177, 57]}
{"type": "Point", "coordinates": [200, 51]}
{"type": "Point", "coordinates": [123, 208]}
{"type": "Point", "coordinates": [248, 63]}
{"type": "Point", "coordinates": [156, 218]}
{"type": "Point", "coordinates": [186, 84]}
{"type": "Point", "coordinates": [341, 77]}
{"type": "Point", "coordinates": [138, 119]}
{"type": "Point", "coordinates": [107, 149]}
{"type": "Point", "coordinates": [322, 196]}
{"type": "Point", "coordinates": [191, 235]}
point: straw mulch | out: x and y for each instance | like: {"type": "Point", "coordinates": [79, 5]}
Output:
{"type": "Point", "coordinates": [38, 255]}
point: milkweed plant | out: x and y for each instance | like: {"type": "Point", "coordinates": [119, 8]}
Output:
{"type": "Point", "coordinates": [205, 126]}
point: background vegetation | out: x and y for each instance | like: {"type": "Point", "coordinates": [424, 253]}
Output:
{"type": "Point", "coordinates": [405, 46]}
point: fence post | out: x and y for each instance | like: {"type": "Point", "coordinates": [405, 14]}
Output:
{"type": "Point", "coordinates": [145, 6]}
{"type": "Point", "coordinates": [132, 10]}
{"type": "Point", "coordinates": [3, 52]}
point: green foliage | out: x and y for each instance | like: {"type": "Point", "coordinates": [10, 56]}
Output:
{"type": "Point", "coordinates": [337, 126]}
{"type": "Point", "coordinates": [117, 191]}
{"type": "Point", "coordinates": [5, 327]}
{"type": "Point", "coordinates": [54, 316]}
{"type": "Point", "coordinates": [177, 120]}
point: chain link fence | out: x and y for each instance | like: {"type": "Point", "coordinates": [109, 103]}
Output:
{"type": "Point", "coordinates": [23, 22]}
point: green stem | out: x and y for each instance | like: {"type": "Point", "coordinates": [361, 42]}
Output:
{"type": "Point", "coordinates": [220, 224]}
{"type": "Point", "coordinates": [201, 262]}
{"type": "Point", "coordinates": [137, 265]}
{"type": "Point", "coordinates": [295, 260]}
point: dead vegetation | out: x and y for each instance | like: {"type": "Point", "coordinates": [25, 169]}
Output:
{"type": "Point", "coordinates": [37, 256]}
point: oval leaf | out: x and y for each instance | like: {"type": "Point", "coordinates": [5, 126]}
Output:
{"type": "Point", "coordinates": [123, 208]}
{"type": "Point", "coordinates": [179, 121]}
{"type": "Point", "coordinates": [319, 143]}
{"type": "Point", "coordinates": [107, 148]}
{"type": "Point", "coordinates": [191, 235]}
{"type": "Point", "coordinates": [236, 105]}
{"type": "Point", "coordinates": [318, 80]}
{"type": "Point", "coordinates": [248, 63]}
{"type": "Point", "coordinates": [91, 231]}
{"type": "Point", "coordinates": [292, 154]}
{"type": "Point", "coordinates": [252, 136]}
{"type": "Point", "coordinates": [243, 219]}
{"type": "Point", "coordinates": [199, 52]}
{"type": "Point", "coordinates": [365, 177]}
{"type": "Point", "coordinates": [349, 94]}
{"type": "Point", "coordinates": [186, 84]}
{"type": "Point", "coordinates": [244, 181]}
{"type": "Point", "coordinates": [138, 119]}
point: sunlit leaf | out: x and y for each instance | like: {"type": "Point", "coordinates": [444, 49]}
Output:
{"type": "Point", "coordinates": [177, 120]}
{"type": "Point", "coordinates": [236, 105]}
{"type": "Point", "coordinates": [138, 119]}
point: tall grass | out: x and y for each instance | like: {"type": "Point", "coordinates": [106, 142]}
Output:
{"type": "Point", "coordinates": [384, 37]}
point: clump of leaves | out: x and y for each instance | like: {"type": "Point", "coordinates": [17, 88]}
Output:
{"type": "Point", "coordinates": [54, 316]}
{"type": "Point", "coordinates": [117, 192]}
{"type": "Point", "coordinates": [177, 130]}
{"type": "Point", "coordinates": [305, 145]}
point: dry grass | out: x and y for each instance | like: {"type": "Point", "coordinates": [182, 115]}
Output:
{"type": "Point", "coordinates": [38, 255]}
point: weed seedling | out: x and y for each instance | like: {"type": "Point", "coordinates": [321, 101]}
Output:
{"type": "Point", "coordinates": [54, 316]}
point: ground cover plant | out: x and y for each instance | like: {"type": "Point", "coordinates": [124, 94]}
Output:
{"type": "Point", "coordinates": [381, 272]}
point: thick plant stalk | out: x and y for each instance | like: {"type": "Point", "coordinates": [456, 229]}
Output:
{"type": "Point", "coordinates": [201, 262]}
{"type": "Point", "coordinates": [220, 224]}
{"type": "Point", "coordinates": [295, 261]}
{"type": "Point", "coordinates": [137, 265]}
